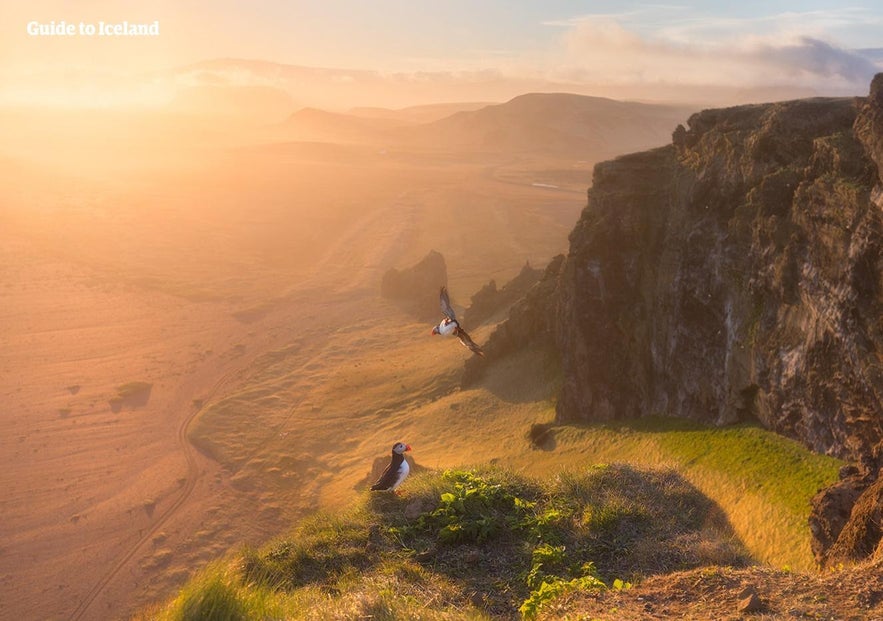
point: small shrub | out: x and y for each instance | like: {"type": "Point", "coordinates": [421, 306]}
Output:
{"type": "Point", "coordinates": [475, 510]}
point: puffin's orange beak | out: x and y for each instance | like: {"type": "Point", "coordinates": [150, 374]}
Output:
{"type": "Point", "coordinates": [407, 447]}
{"type": "Point", "coordinates": [434, 331]}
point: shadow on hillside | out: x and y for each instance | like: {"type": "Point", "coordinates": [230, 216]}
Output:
{"type": "Point", "coordinates": [629, 523]}
{"type": "Point", "coordinates": [524, 377]}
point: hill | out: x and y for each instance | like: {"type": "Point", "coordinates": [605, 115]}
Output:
{"type": "Point", "coordinates": [472, 544]}
{"type": "Point", "coordinates": [561, 123]}
{"type": "Point", "coordinates": [426, 113]}
{"type": "Point", "coordinates": [486, 544]}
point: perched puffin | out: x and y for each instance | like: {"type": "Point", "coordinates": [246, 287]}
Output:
{"type": "Point", "coordinates": [396, 471]}
{"type": "Point", "coordinates": [450, 326]}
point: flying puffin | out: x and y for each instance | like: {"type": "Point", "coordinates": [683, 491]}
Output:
{"type": "Point", "coordinates": [396, 471]}
{"type": "Point", "coordinates": [450, 326]}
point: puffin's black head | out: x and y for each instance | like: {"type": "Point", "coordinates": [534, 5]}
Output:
{"type": "Point", "coordinates": [400, 447]}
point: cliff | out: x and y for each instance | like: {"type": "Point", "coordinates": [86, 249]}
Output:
{"type": "Point", "coordinates": [735, 275]}
{"type": "Point", "coordinates": [731, 276]}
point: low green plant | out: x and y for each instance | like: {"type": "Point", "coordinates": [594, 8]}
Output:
{"type": "Point", "coordinates": [545, 558]}
{"type": "Point", "coordinates": [476, 510]}
{"type": "Point", "coordinates": [555, 588]}
{"type": "Point", "coordinates": [620, 585]}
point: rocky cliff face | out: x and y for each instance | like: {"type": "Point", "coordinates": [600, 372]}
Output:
{"type": "Point", "coordinates": [736, 274]}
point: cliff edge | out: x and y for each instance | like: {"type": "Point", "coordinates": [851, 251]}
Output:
{"type": "Point", "coordinates": [735, 275]}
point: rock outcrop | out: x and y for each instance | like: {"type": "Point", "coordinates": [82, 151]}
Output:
{"type": "Point", "coordinates": [489, 300]}
{"type": "Point", "coordinates": [847, 518]}
{"type": "Point", "coordinates": [415, 289]}
{"type": "Point", "coordinates": [735, 275]}
{"type": "Point", "coordinates": [530, 324]}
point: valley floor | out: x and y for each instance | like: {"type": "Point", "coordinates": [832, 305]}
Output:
{"type": "Point", "coordinates": [246, 298]}
{"type": "Point", "coordinates": [249, 289]}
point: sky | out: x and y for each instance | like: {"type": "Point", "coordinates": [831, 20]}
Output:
{"type": "Point", "coordinates": [816, 47]}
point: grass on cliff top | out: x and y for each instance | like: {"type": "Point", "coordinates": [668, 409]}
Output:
{"type": "Point", "coordinates": [763, 481]}
{"type": "Point", "coordinates": [466, 544]}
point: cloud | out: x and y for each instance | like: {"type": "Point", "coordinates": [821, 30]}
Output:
{"type": "Point", "coordinates": [818, 59]}
{"type": "Point", "coordinates": [620, 49]}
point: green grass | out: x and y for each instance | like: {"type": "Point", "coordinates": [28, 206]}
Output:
{"type": "Point", "coordinates": [764, 463]}
{"type": "Point", "coordinates": [762, 481]}
{"type": "Point", "coordinates": [468, 545]}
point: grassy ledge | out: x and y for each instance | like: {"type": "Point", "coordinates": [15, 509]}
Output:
{"type": "Point", "coordinates": [469, 544]}
{"type": "Point", "coordinates": [763, 481]}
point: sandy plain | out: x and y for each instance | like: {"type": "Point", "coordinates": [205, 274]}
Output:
{"type": "Point", "coordinates": [242, 288]}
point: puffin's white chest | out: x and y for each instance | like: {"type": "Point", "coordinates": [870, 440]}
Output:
{"type": "Point", "coordinates": [447, 327]}
{"type": "Point", "coordinates": [402, 473]}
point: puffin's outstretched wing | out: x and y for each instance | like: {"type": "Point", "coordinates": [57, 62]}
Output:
{"type": "Point", "coordinates": [467, 341]}
{"type": "Point", "coordinates": [445, 303]}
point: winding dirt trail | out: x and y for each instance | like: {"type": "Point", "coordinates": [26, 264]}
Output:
{"type": "Point", "coordinates": [192, 476]}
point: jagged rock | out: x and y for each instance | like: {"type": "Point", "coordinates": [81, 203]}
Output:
{"type": "Point", "coordinates": [831, 509]}
{"type": "Point", "coordinates": [861, 536]}
{"type": "Point", "coordinates": [869, 125]}
{"type": "Point", "coordinates": [735, 275]}
{"type": "Point", "coordinates": [541, 436]}
{"type": "Point", "coordinates": [489, 300]}
{"type": "Point", "coordinates": [530, 323]}
{"type": "Point", "coordinates": [847, 518]}
{"type": "Point", "coordinates": [415, 289]}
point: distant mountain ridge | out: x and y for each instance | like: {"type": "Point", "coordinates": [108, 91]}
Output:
{"type": "Point", "coordinates": [327, 87]}
{"type": "Point", "coordinates": [426, 113]}
{"type": "Point", "coordinates": [559, 123]}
